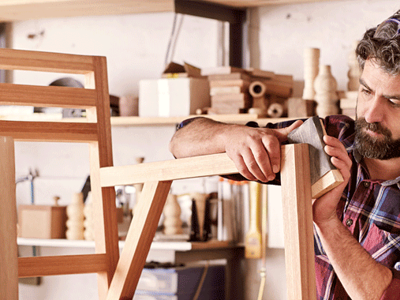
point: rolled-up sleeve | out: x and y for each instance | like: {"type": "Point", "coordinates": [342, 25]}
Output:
{"type": "Point", "coordinates": [393, 290]}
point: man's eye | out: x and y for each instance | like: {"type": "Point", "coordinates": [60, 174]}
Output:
{"type": "Point", "coordinates": [365, 91]}
{"type": "Point", "coordinates": [394, 102]}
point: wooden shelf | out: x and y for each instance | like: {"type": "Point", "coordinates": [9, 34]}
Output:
{"type": "Point", "coordinates": [161, 245]}
{"type": "Point", "coordinates": [17, 10]}
{"type": "Point", "coordinates": [147, 121]}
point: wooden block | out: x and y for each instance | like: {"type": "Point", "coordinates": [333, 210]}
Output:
{"type": "Point", "coordinates": [278, 88]}
{"type": "Point", "coordinates": [42, 221]}
{"type": "Point", "coordinates": [300, 108]}
{"type": "Point", "coordinates": [232, 82]}
{"type": "Point", "coordinates": [261, 73]}
{"type": "Point", "coordinates": [226, 111]}
{"type": "Point", "coordinates": [235, 100]}
{"type": "Point", "coordinates": [221, 70]}
{"type": "Point", "coordinates": [231, 76]}
{"type": "Point", "coordinates": [324, 175]}
{"type": "Point", "coordinates": [284, 78]}
{"type": "Point", "coordinates": [226, 90]}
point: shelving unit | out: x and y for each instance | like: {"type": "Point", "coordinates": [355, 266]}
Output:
{"type": "Point", "coordinates": [164, 245]}
{"type": "Point", "coordinates": [149, 121]}
{"type": "Point", "coordinates": [17, 10]}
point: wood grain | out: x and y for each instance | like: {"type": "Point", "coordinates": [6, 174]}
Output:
{"type": "Point", "coordinates": [139, 238]}
{"type": "Point", "coordinates": [11, 59]}
{"type": "Point", "coordinates": [298, 223]}
{"type": "Point", "coordinates": [208, 165]}
{"type": "Point", "coordinates": [49, 131]}
{"type": "Point", "coordinates": [61, 265]}
{"type": "Point", "coordinates": [46, 96]}
{"type": "Point", "coordinates": [8, 222]}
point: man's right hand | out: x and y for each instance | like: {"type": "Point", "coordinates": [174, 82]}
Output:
{"type": "Point", "coordinates": [256, 152]}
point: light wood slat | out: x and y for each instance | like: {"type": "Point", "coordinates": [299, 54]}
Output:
{"type": "Point", "coordinates": [106, 228]}
{"type": "Point", "coordinates": [11, 59]}
{"type": "Point", "coordinates": [8, 222]}
{"type": "Point", "coordinates": [139, 238]}
{"type": "Point", "coordinates": [46, 96]}
{"type": "Point", "coordinates": [298, 223]}
{"type": "Point", "coordinates": [208, 165]}
{"type": "Point", "coordinates": [49, 131]}
{"type": "Point", "coordinates": [59, 265]}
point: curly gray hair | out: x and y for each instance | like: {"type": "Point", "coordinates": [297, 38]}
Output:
{"type": "Point", "coordinates": [382, 44]}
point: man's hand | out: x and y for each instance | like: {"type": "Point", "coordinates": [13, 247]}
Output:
{"type": "Point", "coordinates": [324, 208]}
{"type": "Point", "coordinates": [256, 152]}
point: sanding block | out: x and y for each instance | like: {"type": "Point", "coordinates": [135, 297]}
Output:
{"type": "Point", "coordinates": [324, 176]}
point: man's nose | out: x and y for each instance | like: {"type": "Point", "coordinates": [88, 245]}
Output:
{"type": "Point", "coordinates": [374, 112]}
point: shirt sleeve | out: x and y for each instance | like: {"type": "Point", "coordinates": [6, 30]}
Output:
{"type": "Point", "coordinates": [393, 290]}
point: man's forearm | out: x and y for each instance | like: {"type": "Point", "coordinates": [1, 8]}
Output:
{"type": "Point", "coordinates": [200, 137]}
{"type": "Point", "coordinates": [362, 277]}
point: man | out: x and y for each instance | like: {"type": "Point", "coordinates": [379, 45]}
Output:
{"type": "Point", "coordinates": [357, 241]}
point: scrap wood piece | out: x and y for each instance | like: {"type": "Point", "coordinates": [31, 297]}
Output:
{"type": "Point", "coordinates": [324, 176]}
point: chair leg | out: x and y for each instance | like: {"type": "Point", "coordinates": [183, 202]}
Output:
{"type": "Point", "coordinates": [8, 222]}
{"type": "Point", "coordinates": [139, 238]}
{"type": "Point", "coordinates": [298, 223]}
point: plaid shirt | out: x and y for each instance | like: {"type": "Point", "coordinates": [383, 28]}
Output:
{"type": "Point", "coordinates": [370, 209]}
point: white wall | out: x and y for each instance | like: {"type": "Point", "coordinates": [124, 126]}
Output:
{"type": "Point", "coordinates": [135, 47]}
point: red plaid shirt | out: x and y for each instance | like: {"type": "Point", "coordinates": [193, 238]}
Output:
{"type": "Point", "coordinates": [370, 209]}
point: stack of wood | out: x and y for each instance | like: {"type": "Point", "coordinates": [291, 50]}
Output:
{"type": "Point", "coordinates": [348, 103]}
{"type": "Point", "coordinates": [236, 90]}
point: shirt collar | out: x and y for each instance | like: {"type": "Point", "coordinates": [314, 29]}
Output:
{"type": "Point", "coordinates": [362, 172]}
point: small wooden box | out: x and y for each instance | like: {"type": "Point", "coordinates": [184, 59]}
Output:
{"type": "Point", "coordinates": [42, 221]}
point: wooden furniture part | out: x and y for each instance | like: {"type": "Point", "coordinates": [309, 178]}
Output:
{"type": "Point", "coordinates": [96, 132]}
{"type": "Point", "coordinates": [8, 221]}
{"type": "Point", "coordinates": [157, 178]}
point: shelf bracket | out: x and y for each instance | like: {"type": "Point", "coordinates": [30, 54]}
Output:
{"type": "Point", "coordinates": [236, 18]}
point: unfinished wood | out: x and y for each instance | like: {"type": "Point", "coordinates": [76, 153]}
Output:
{"type": "Point", "coordinates": [8, 223]}
{"type": "Point", "coordinates": [42, 221]}
{"type": "Point", "coordinates": [11, 59]}
{"type": "Point", "coordinates": [139, 238]}
{"type": "Point", "coordinates": [46, 96]}
{"type": "Point", "coordinates": [96, 132]}
{"type": "Point", "coordinates": [182, 168]}
{"type": "Point", "coordinates": [49, 131]}
{"type": "Point", "coordinates": [326, 183]}
{"type": "Point", "coordinates": [100, 153]}
{"type": "Point", "coordinates": [298, 222]}
{"type": "Point", "coordinates": [61, 265]}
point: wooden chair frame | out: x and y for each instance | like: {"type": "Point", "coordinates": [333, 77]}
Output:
{"type": "Point", "coordinates": [118, 277]}
{"type": "Point", "coordinates": [157, 178]}
{"type": "Point", "coordinates": [96, 132]}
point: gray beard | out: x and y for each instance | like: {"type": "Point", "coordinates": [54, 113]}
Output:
{"type": "Point", "coordinates": [370, 147]}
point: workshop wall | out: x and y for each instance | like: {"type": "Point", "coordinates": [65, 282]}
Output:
{"type": "Point", "coordinates": [135, 47]}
